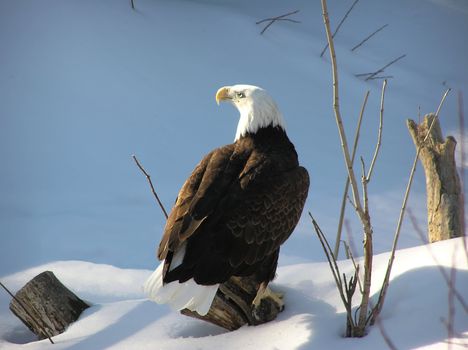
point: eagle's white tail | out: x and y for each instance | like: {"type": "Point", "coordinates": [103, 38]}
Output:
{"type": "Point", "coordinates": [187, 295]}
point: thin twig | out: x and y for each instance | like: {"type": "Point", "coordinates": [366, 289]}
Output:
{"type": "Point", "coordinates": [383, 291]}
{"type": "Point", "coordinates": [133, 4]}
{"type": "Point", "coordinates": [148, 177]}
{"type": "Point", "coordinates": [350, 234]}
{"type": "Point", "coordinates": [336, 108]}
{"type": "Point", "coordinates": [356, 266]}
{"type": "Point", "coordinates": [339, 25]}
{"type": "Point", "coordinates": [368, 37]}
{"type": "Point", "coordinates": [351, 203]}
{"type": "Point", "coordinates": [384, 67]}
{"type": "Point", "coordinates": [277, 18]}
{"type": "Point", "coordinates": [20, 303]}
{"type": "Point", "coordinates": [372, 75]}
{"type": "Point", "coordinates": [380, 77]}
{"type": "Point", "coordinates": [461, 120]}
{"type": "Point", "coordinates": [436, 115]}
{"type": "Point", "coordinates": [345, 192]}
{"type": "Point", "coordinates": [334, 268]}
{"type": "Point", "coordinates": [364, 186]}
{"type": "Point", "coordinates": [379, 137]}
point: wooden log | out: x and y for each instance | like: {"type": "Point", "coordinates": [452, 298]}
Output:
{"type": "Point", "coordinates": [232, 306]}
{"type": "Point", "coordinates": [445, 204]}
{"type": "Point", "coordinates": [50, 306]}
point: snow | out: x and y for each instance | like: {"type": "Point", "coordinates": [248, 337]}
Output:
{"type": "Point", "coordinates": [85, 84]}
{"type": "Point", "coordinates": [121, 317]}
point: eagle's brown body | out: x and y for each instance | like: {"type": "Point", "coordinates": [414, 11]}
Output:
{"type": "Point", "coordinates": [239, 205]}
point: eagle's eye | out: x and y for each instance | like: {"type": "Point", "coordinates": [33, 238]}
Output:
{"type": "Point", "coordinates": [240, 95]}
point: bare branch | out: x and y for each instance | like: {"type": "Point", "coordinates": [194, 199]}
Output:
{"type": "Point", "coordinates": [383, 291]}
{"type": "Point", "coordinates": [372, 75]}
{"type": "Point", "coordinates": [368, 37]}
{"type": "Point", "coordinates": [359, 330]}
{"type": "Point", "coordinates": [20, 303]}
{"type": "Point", "coordinates": [133, 4]}
{"type": "Point", "coordinates": [277, 18]}
{"type": "Point", "coordinates": [336, 108]}
{"type": "Point", "coordinates": [345, 192]}
{"type": "Point", "coordinates": [148, 177]}
{"type": "Point", "coordinates": [379, 137]}
{"type": "Point", "coordinates": [339, 25]}
{"type": "Point", "coordinates": [346, 298]}
{"type": "Point", "coordinates": [381, 77]}
{"type": "Point", "coordinates": [384, 67]}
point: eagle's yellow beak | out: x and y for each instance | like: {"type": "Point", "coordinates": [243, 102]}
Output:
{"type": "Point", "coordinates": [222, 94]}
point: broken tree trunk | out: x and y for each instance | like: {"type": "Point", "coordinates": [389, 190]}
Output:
{"type": "Point", "coordinates": [232, 306]}
{"type": "Point", "coordinates": [445, 204]}
{"type": "Point", "coordinates": [46, 306]}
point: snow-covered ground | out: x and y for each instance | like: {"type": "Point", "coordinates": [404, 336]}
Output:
{"type": "Point", "coordinates": [121, 317]}
{"type": "Point", "coordinates": [85, 84]}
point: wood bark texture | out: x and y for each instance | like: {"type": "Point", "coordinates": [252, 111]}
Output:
{"type": "Point", "coordinates": [445, 203]}
{"type": "Point", "coordinates": [232, 306]}
{"type": "Point", "coordinates": [51, 304]}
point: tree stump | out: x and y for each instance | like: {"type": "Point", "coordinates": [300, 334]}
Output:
{"type": "Point", "coordinates": [232, 306]}
{"type": "Point", "coordinates": [50, 306]}
{"type": "Point", "coordinates": [445, 203]}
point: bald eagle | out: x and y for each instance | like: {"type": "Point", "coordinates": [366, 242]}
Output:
{"type": "Point", "coordinates": [235, 210]}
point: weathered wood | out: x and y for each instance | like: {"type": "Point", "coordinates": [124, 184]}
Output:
{"type": "Point", "coordinates": [52, 306]}
{"type": "Point", "coordinates": [232, 306]}
{"type": "Point", "coordinates": [445, 204]}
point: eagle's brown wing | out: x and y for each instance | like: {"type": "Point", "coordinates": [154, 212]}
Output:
{"type": "Point", "coordinates": [243, 235]}
{"type": "Point", "coordinates": [265, 216]}
{"type": "Point", "coordinates": [197, 198]}
{"type": "Point", "coordinates": [234, 211]}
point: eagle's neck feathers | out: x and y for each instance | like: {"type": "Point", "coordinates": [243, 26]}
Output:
{"type": "Point", "coordinates": [256, 114]}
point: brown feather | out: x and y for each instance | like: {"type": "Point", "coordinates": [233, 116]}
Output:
{"type": "Point", "coordinates": [238, 206]}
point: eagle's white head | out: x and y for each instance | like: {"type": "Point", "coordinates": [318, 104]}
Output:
{"type": "Point", "coordinates": [257, 109]}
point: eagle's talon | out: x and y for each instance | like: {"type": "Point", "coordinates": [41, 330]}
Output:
{"type": "Point", "coordinates": [265, 292]}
